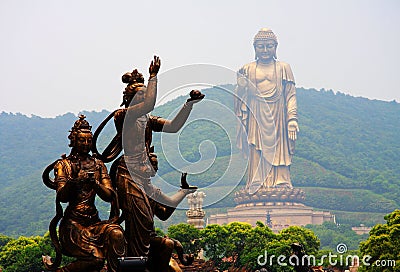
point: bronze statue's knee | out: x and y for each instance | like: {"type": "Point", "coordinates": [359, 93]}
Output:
{"type": "Point", "coordinates": [117, 235]}
{"type": "Point", "coordinates": [118, 244]}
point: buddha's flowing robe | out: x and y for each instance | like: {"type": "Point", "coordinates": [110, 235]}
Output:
{"type": "Point", "coordinates": [264, 116]}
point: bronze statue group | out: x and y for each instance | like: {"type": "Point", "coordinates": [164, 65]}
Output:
{"type": "Point", "coordinates": [266, 106]}
{"type": "Point", "coordinates": [79, 177]}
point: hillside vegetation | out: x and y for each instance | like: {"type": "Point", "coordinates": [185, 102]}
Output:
{"type": "Point", "coordinates": [346, 157]}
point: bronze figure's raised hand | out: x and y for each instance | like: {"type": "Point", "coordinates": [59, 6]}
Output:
{"type": "Point", "coordinates": [154, 66]}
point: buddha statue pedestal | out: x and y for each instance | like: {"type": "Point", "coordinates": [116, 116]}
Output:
{"type": "Point", "coordinates": [278, 207]}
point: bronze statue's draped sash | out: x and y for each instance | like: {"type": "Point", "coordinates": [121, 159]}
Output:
{"type": "Point", "coordinates": [134, 190]}
{"type": "Point", "coordinates": [137, 210]}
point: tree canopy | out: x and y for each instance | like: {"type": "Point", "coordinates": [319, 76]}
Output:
{"type": "Point", "coordinates": [241, 245]}
{"type": "Point", "coordinates": [383, 245]}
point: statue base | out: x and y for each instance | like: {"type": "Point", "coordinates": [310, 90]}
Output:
{"type": "Point", "coordinates": [278, 207]}
{"type": "Point", "coordinates": [269, 196]}
{"type": "Point", "coordinates": [196, 218]}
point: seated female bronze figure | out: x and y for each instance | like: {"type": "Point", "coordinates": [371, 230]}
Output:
{"type": "Point", "coordinates": [79, 177]}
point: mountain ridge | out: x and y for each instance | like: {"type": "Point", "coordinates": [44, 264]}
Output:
{"type": "Point", "coordinates": [345, 142]}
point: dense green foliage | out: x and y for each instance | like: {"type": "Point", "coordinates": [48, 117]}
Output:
{"type": "Point", "coordinates": [331, 235]}
{"type": "Point", "coordinates": [188, 236]}
{"type": "Point", "coordinates": [346, 161]}
{"type": "Point", "coordinates": [25, 253]}
{"type": "Point", "coordinates": [22, 254]}
{"type": "Point", "coordinates": [383, 245]}
{"type": "Point", "coordinates": [240, 245]}
{"type": "Point", "coordinates": [354, 137]}
{"type": "Point", "coordinates": [348, 200]}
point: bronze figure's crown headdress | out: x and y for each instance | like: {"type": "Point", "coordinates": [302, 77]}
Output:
{"type": "Point", "coordinates": [80, 125]}
{"type": "Point", "coordinates": [134, 79]}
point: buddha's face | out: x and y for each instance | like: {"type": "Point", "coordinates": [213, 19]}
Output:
{"type": "Point", "coordinates": [83, 142]}
{"type": "Point", "coordinates": [265, 50]}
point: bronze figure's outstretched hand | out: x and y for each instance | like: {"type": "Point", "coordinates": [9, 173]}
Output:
{"type": "Point", "coordinates": [185, 185]}
{"type": "Point", "coordinates": [154, 66]}
{"type": "Point", "coordinates": [195, 96]}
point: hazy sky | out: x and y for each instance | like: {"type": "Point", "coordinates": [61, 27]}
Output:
{"type": "Point", "coordinates": [67, 56]}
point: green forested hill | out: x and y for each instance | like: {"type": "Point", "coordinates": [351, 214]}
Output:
{"type": "Point", "coordinates": [346, 158]}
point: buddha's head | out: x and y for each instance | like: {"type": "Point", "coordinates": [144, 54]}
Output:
{"type": "Point", "coordinates": [265, 44]}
